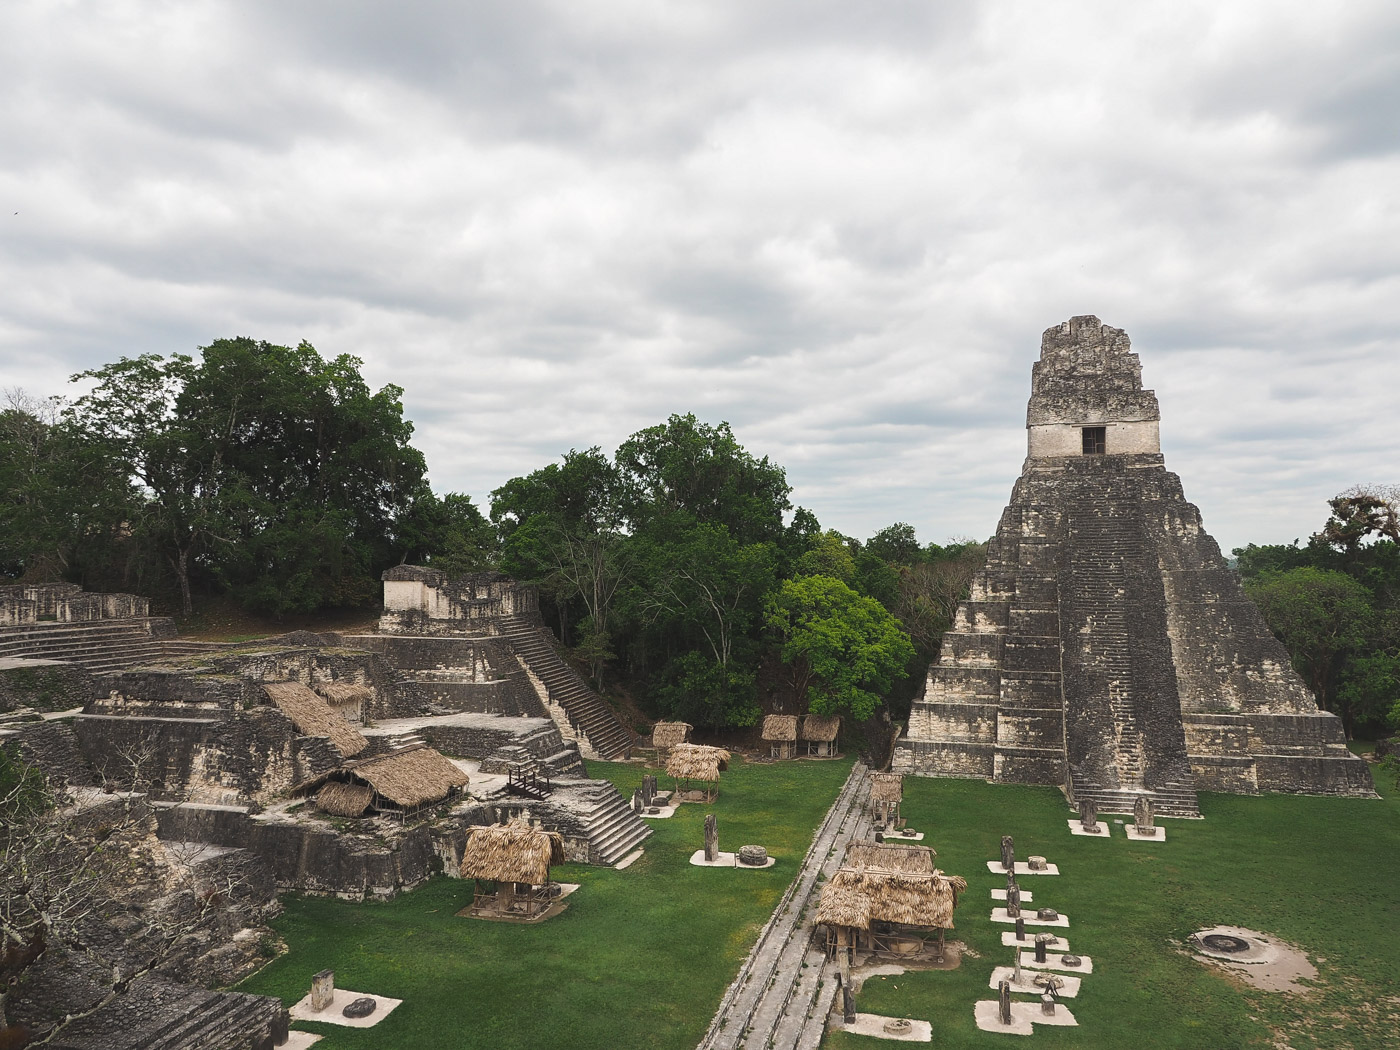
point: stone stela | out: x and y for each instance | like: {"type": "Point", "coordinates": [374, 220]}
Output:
{"type": "Point", "coordinates": [1107, 646]}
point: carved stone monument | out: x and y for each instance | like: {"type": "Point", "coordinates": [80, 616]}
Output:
{"type": "Point", "coordinates": [1008, 854]}
{"type": "Point", "coordinates": [1107, 645]}
{"type": "Point", "coordinates": [1042, 942]}
{"type": "Point", "coordinates": [711, 837]}
{"type": "Point", "coordinates": [322, 990]}
{"type": "Point", "coordinates": [1004, 1002]}
{"type": "Point", "coordinates": [649, 788]}
{"type": "Point", "coordinates": [1089, 815]}
{"type": "Point", "coordinates": [1013, 902]}
{"type": "Point", "coordinates": [1143, 815]}
{"type": "Point", "coordinates": [1020, 929]}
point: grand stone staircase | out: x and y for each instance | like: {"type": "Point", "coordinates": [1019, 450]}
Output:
{"type": "Point", "coordinates": [588, 713]}
{"type": "Point", "coordinates": [101, 645]}
{"type": "Point", "coordinates": [1099, 598]}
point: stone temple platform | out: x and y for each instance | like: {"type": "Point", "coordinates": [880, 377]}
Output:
{"type": "Point", "coordinates": [1106, 646]}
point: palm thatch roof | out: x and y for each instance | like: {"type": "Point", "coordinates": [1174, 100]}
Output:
{"type": "Point", "coordinates": [696, 762]}
{"type": "Point", "coordinates": [911, 899]}
{"type": "Point", "coordinates": [890, 856]}
{"type": "Point", "coordinates": [410, 778]}
{"type": "Point", "coordinates": [339, 693]}
{"type": "Point", "coordinates": [886, 787]}
{"type": "Point", "coordinates": [669, 734]}
{"type": "Point", "coordinates": [821, 729]}
{"type": "Point", "coordinates": [843, 906]}
{"type": "Point", "coordinates": [513, 852]}
{"type": "Point", "coordinates": [313, 716]}
{"type": "Point", "coordinates": [345, 800]}
{"type": "Point", "coordinates": [780, 728]}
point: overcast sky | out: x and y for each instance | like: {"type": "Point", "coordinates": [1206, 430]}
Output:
{"type": "Point", "coordinates": [840, 226]}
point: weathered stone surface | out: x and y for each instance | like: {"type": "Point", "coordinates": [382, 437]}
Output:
{"type": "Point", "coordinates": [711, 837]}
{"type": "Point", "coordinates": [1008, 854]}
{"type": "Point", "coordinates": [361, 1007]}
{"type": "Point", "coordinates": [754, 856]}
{"type": "Point", "coordinates": [1107, 644]}
{"type": "Point", "coordinates": [322, 990]}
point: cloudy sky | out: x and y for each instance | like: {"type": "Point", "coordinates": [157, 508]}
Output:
{"type": "Point", "coordinates": [840, 226]}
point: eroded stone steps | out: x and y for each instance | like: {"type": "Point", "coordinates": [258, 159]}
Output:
{"type": "Point", "coordinates": [587, 711]}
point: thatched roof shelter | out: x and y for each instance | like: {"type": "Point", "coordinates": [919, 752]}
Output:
{"type": "Point", "coordinates": [843, 906]}
{"type": "Point", "coordinates": [886, 787]}
{"type": "Point", "coordinates": [780, 728]}
{"type": "Point", "coordinates": [338, 694]}
{"type": "Point", "coordinates": [911, 899]}
{"type": "Point", "coordinates": [890, 856]}
{"type": "Point", "coordinates": [821, 729]}
{"type": "Point", "coordinates": [410, 779]}
{"type": "Point", "coordinates": [513, 852]}
{"type": "Point", "coordinates": [669, 734]}
{"type": "Point", "coordinates": [345, 800]}
{"type": "Point", "coordinates": [314, 717]}
{"type": "Point", "coordinates": [696, 762]}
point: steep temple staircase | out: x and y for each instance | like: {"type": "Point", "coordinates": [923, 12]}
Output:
{"type": "Point", "coordinates": [587, 712]}
{"type": "Point", "coordinates": [1106, 540]}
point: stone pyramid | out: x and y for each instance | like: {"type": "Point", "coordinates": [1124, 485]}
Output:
{"type": "Point", "coordinates": [1107, 646]}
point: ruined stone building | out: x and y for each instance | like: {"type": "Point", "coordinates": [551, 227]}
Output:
{"type": "Point", "coordinates": [1106, 646]}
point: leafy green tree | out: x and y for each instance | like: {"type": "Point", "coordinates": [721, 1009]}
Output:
{"type": "Point", "coordinates": [561, 529]}
{"type": "Point", "coordinates": [1323, 617]}
{"type": "Point", "coordinates": [829, 554]}
{"type": "Point", "coordinates": [450, 534]}
{"type": "Point", "coordinates": [844, 649]}
{"type": "Point", "coordinates": [690, 470]}
{"type": "Point", "coordinates": [703, 600]}
{"type": "Point", "coordinates": [277, 473]}
{"type": "Point", "coordinates": [895, 543]}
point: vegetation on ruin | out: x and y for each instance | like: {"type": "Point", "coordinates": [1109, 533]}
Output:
{"type": "Point", "coordinates": [1335, 605]}
{"type": "Point", "coordinates": [639, 959]}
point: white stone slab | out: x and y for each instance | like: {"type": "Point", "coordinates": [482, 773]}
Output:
{"type": "Point", "coordinates": [874, 1025]}
{"type": "Point", "coordinates": [629, 860]}
{"type": "Point", "coordinates": [890, 836]}
{"type": "Point", "coordinates": [988, 1015]}
{"type": "Point", "coordinates": [343, 997]}
{"type": "Point", "coordinates": [300, 1040]}
{"type": "Point", "coordinates": [999, 915]}
{"type": "Point", "coordinates": [1022, 868]}
{"type": "Point", "coordinates": [727, 860]}
{"type": "Point", "coordinates": [1023, 1016]}
{"type": "Point", "coordinates": [1008, 938]}
{"type": "Point", "coordinates": [1159, 834]}
{"type": "Point", "coordinates": [1077, 828]}
{"type": "Point", "coordinates": [1057, 962]}
{"type": "Point", "coordinates": [1068, 990]}
{"type": "Point", "coordinates": [1000, 895]}
{"type": "Point", "coordinates": [663, 812]}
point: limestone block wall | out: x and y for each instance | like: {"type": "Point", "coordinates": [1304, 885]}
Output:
{"type": "Point", "coordinates": [419, 600]}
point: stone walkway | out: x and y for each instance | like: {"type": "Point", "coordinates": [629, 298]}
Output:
{"type": "Point", "coordinates": [775, 1002]}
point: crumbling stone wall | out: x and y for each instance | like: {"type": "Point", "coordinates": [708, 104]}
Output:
{"type": "Point", "coordinates": [419, 600]}
{"type": "Point", "coordinates": [45, 686]}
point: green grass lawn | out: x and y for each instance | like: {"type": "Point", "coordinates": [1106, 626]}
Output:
{"type": "Point", "coordinates": [1321, 873]}
{"type": "Point", "coordinates": [642, 956]}
{"type": "Point", "coordinates": [639, 959]}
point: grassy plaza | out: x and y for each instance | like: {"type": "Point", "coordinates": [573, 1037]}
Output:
{"type": "Point", "coordinates": [641, 956]}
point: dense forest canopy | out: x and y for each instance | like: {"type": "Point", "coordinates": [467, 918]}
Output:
{"type": "Point", "coordinates": [676, 569]}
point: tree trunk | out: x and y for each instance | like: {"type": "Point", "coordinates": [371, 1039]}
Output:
{"type": "Point", "coordinates": [182, 571]}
